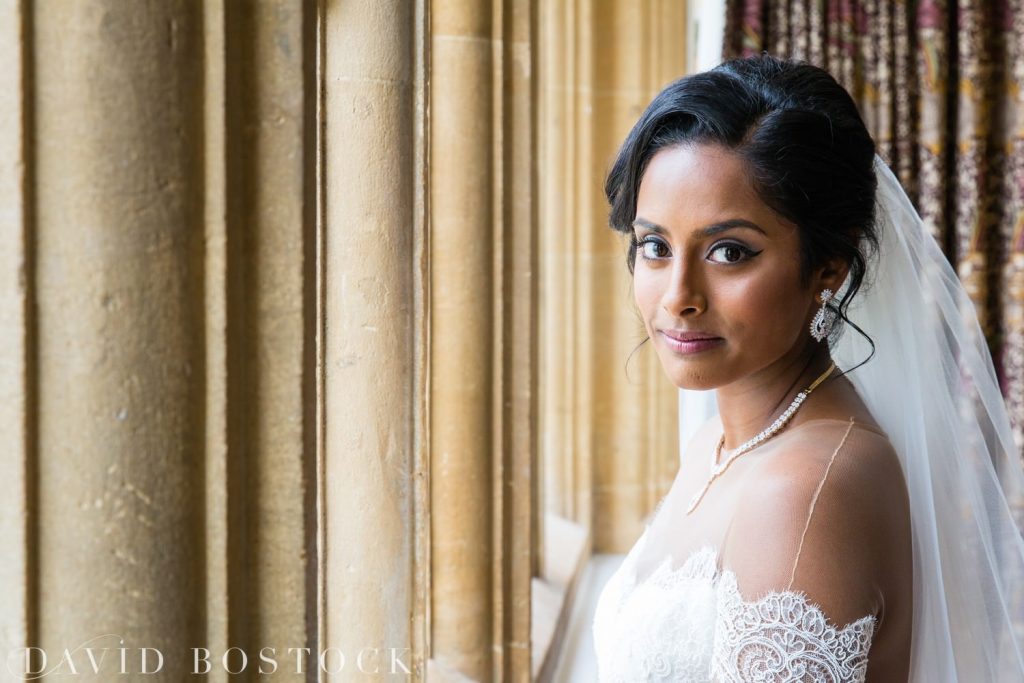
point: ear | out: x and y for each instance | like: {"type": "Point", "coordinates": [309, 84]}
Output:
{"type": "Point", "coordinates": [832, 275]}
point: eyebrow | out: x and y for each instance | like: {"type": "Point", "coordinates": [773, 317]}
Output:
{"type": "Point", "coordinates": [706, 231]}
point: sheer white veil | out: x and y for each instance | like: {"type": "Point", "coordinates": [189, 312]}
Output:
{"type": "Point", "coordinates": [932, 387]}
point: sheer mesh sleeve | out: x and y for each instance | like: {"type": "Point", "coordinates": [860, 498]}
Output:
{"type": "Point", "coordinates": [805, 549]}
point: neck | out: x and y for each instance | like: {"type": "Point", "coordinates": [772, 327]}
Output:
{"type": "Point", "coordinates": [749, 405]}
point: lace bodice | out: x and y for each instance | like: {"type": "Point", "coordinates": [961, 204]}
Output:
{"type": "Point", "coordinates": [690, 624]}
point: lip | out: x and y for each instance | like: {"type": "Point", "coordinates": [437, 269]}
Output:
{"type": "Point", "coordinates": [688, 335]}
{"type": "Point", "coordinates": [690, 342]}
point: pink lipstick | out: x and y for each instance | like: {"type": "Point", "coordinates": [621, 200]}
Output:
{"type": "Point", "coordinates": [690, 342]}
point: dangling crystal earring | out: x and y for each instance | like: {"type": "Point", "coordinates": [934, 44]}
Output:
{"type": "Point", "coordinates": [824, 318]}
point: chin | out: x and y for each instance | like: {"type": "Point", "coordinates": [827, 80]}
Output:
{"type": "Point", "coordinates": [691, 373]}
{"type": "Point", "coordinates": [693, 380]}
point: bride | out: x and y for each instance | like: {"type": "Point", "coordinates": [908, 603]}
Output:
{"type": "Point", "coordinates": [847, 516]}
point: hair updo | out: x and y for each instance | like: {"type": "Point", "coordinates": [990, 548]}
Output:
{"type": "Point", "coordinates": [806, 149]}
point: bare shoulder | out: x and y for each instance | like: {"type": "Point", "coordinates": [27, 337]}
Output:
{"type": "Point", "coordinates": [821, 516]}
{"type": "Point", "coordinates": [856, 463]}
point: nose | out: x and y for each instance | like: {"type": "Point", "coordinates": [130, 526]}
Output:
{"type": "Point", "coordinates": [684, 294]}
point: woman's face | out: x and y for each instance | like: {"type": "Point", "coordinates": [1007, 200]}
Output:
{"type": "Point", "coordinates": [713, 259]}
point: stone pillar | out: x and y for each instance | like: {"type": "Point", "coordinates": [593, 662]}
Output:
{"type": "Point", "coordinates": [260, 385]}
{"type": "Point", "coordinates": [517, 477]}
{"type": "Point", "coordinates": [564, 134]}
{"type": "Point", "coordinates": [158, 373]}
{"type": "Point", "coordinates": [373, 336]}
{"type": "Point", "coordinates": [183, 424]}
{"type": "Point", "coordinates": [483, 323]}
{"type": "Point", "coordinates": [462, 330]}
{"type": "Point", "coordinates": [117, 368]}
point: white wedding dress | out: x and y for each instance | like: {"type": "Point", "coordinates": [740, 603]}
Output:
{"type": "Point", "coordinates": [688, 622]}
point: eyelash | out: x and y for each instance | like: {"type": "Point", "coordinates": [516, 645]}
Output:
{"type": "Point", "coordinates": [748, 253]}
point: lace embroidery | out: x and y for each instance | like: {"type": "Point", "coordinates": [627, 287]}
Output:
{"type": "Point", "coordinates": [701, 564]}
{"type": "Point", "coordinates": [785, 637]}
{"type": "Point", "coordinates": [691, 624]}
{"type": "Point", "coordinates": [643, 632]}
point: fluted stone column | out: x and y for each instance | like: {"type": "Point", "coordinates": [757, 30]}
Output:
{"type": "Point", "coordinates": [517, 300]}
{"type": "Point", "coordinates": [565, 131]}
{"type": "Point", "coordinates": [260, 263]}
{"type": "Point", "coordinates": [158, 365]}
{"type": "Point", "coordinates": [568, 184]}
{"type": "Point", "coordinates": [197, 461]}
{"type": "Point", "coordinates": [373, 337]}
{"type": "Point", "coordinates": [462, 447]}
{"type": "Point", "coordinates": [118, 372]}
{"type": "Point", "coordinates": [483, 327]}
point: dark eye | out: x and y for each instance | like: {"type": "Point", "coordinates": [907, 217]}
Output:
{"type": "Point", "coordinates": [732, 253]}
{"type": "Point", "coordinates": [644, 248]}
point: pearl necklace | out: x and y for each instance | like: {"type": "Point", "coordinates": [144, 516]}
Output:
{"type": "Point", "coordinates": [780, 422]}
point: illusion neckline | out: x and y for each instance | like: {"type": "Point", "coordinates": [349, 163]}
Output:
{"type": "Point", "coordinates": [796, 427]}
{"type": "Point", "coordinates": [702, 564]}
{"type": "Point", "coordinates": [847, 420]}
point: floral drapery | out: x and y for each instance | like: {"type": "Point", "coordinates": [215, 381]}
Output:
{"type": "Point", "coordinates": [941, 88]}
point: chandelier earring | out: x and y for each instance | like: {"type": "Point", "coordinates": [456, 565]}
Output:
{"type": "Point", "coordinates": [824, 319]}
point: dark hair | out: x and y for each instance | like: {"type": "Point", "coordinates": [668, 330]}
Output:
{"type": "Point", "coordinates": [808, 154]}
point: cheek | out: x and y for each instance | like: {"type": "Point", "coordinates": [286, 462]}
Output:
{"type": "Point", "coordinates": [646, 293]}
{"type": "Point", "coordinates": [764, 307]}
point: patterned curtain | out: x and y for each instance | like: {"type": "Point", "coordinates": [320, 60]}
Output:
{"type": "Point", "coordinates": [941, 88]}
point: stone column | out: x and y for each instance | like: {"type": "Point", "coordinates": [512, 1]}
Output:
{"type": "Point", "coordinates": [373, 337]}
{"type": "Point", "coordinates": [158, 370]}
{"type": "Point", "coordinates": [260, 394]}
{"type": "Point", "coordinates": [462, 333]}
{"type": "Point", "coordinates": [117, 368]}
{"type": "Point", "coordinates": [483, 323]}
{"type": "Point", "coordinates": [565, 150]}
{"type": "Point", "coordinates": [517, 477]}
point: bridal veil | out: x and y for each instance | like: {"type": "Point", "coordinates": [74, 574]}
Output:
{"type": "Point", "coordinates": [932, 387]}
